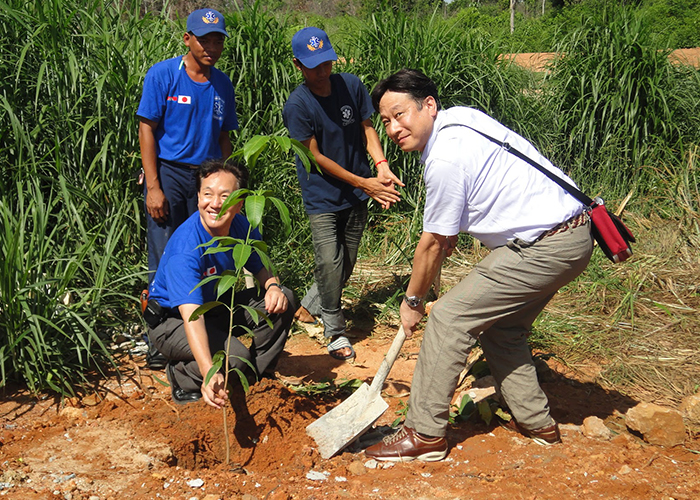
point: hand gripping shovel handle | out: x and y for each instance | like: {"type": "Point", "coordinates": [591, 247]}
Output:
{"type": "Point", "coordinates": [388, 362]}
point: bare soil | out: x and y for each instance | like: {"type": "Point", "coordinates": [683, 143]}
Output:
{"type": "Point", "coordinates": [538, 61]}
{"type": "Point", "coordinates": [128, 440]}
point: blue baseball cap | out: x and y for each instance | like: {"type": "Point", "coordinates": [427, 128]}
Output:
{"type": "Point", "coordinates": [204, 21]}
{"type": "Point", "coordinates": [312, 47]}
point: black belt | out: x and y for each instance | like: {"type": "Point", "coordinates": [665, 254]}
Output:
{"type": "Point", "coordinates": [177, 164]}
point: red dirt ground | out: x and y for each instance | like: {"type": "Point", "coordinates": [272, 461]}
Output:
{"type": "Point", "coordinates": [129, 441]}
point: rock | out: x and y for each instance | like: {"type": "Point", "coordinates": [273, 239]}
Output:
{"type": "Point", "coordinates": [316, 476]}
{"type": "Point", "coordinates": [625, 469]}
{"type": "Point", "coordinates": [658, 425]}
{"type": "Point", "coordinates": [690, 408]}
{"type": "Point", "coordinates": [72, 414]}
{"type": "Point", "coordinates": [195, 483]}
{"type": "Point", "coordinates": [371, 464]}
{"type": "Point", "coordinates": [357, 468]}
{"type": "Point", "coordinates": [595, 428]}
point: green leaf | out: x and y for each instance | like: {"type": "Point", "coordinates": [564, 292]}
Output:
{"type": "Point", "coordinates": [241, 254]}
{"type": "Point", "coordinates": [254, 209]}
{"type": "Point", "coordinates": [284, 142]}
{"type": "Point", "coordinates": [485, 411]}
{"type": "Point", "coordinates": [253, 148]}
{"type": "Point", "coordinates": [257, 314]}
{"type": "Point", "coordinates": [305, 155]}
{"type": "Point", "coordinates": [205, 281]}
{"type": "Point", "coordinates": [204, 308]}
{"type": "Point", "coordinates": [466, 408]}
{"type": "Point", "coordinates": [217, 363]}
{"type": "Point", "coordinates": [284, 214]}
{"type": "Point", "coordinates": [233, 199]}
{"type": "Point", "coordinates": [243, 379]}
{"type": "Point", "coordinates": [226, 282]}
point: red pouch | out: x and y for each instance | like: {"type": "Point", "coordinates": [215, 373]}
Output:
{"type": "Point", "coordinates": [610, 232]}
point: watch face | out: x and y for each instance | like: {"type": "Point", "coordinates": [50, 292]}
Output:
{"type": "Point", "coordinates": [412, 301]}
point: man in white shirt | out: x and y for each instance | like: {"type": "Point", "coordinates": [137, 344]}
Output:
{"type": "Point", "coordinates": [539, 238]}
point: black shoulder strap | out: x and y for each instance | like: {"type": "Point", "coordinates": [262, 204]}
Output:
{"type": "Point", "coordinates": [573, 191]}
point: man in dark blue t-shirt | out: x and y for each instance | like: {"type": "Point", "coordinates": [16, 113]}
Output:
{"type": "Point", "coordinates": [175, 295]}
{"type": "Point", "coordinates": [330, 114]}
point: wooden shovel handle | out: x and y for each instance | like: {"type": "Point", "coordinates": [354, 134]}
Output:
{"type": "Point", "coordinates": [388, 361]}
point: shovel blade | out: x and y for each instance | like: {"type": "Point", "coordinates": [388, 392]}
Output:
{"type": "Point", "coordinates": [347, 421]}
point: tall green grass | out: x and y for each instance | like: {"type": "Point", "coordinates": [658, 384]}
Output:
{"type": "Point", "coordinates": [613, 112]}
{"type": "Point", "coordinates": [614, 102]}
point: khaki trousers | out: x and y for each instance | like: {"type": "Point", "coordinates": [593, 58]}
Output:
{"type": "Point", "coordinates": [497, 303]}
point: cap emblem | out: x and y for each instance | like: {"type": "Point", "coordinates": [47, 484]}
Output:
{"type": "Point", "coordinates": [315, 43]}
{"type": "Point", "coordinates": [210, 18]}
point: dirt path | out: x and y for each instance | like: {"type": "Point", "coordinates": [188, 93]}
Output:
{"type": "Point", "coordinates": [537, 61]}
{"type": "Point", "coordinates": [134, 443]}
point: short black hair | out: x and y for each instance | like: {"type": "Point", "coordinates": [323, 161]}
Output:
{"type": "Point", "coordinates": [210, 167]}
{"type": "Point", "coordinates": [406, 81]}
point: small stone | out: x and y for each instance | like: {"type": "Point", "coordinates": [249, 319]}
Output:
{"type": "Point", "coordinates": [371, 464]}
{"type": "Point", "coordinates": [594, 427]}
{"type": "Point", "coordinates": [357, 468]}
{"type": "Point", "coordinates": [690, 408]}
{"type": "Point", "coordinates": [316, 476]}
{"type": "Point", "coordinates": [340, 479]}
{"type": "Point", "coordinates": [658, 425]}
{"type": "Point", "coordinates": [625, 469]}
{"type": "Point", "coordinates": [195, 483]}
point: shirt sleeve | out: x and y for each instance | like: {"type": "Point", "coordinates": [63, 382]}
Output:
{"type": "Point", "coordinates": [152, 105]}
{"type": "Point", "coordinates": [297, 119]}
{"type": "Point", "coordinates": [363, 100]}
{"type": "Point", "coordinates": [446, 197]}
{"type": "Point", "coordinates": [182, 274]}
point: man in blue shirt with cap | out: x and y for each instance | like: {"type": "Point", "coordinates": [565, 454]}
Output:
{"type": "Point", "coordinates": [330, 114]}
{"type": "Point", "coordinates": [186, 112]}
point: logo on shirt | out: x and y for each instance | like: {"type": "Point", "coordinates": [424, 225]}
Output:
{"type": "Point", "coordinates": [347, 115]}
{"type": "Point", "coordinates": [315, 43]}
{"type": "Point", "coordinates": [184, 99]}
{"type": "Point", "coordinates": [209, 272]}
{"type": "Point", "coordinates": [171, 98]}
{"type": "Point", "coordinates": [218, 108]}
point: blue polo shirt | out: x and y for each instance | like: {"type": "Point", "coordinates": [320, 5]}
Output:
{"type": "Point", "coordinates": [190, 115]}
{"type": "Point", "coordinates": [183, 265]}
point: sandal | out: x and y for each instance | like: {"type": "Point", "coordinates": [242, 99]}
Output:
{"type": "Point", "coordinates": [338, 343]}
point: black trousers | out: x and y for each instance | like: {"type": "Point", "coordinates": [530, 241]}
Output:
{"type": "Point", "coordinates": [268, 343]}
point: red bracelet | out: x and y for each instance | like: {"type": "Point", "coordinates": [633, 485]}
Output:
{"type": "Point", "coordinates": [380, 162]}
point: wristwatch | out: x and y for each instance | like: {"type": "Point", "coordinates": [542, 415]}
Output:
{"type": "Point", "coordinates": [413, 300]}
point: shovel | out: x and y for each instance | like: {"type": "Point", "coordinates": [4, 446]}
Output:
{"type": "Point", "coordinates": [351, 418]}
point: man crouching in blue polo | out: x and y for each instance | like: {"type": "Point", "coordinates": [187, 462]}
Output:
{"type": "Point", "coordinates": [174, 296]}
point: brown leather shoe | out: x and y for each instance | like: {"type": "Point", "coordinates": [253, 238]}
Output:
{"type": "Point", "coordinates": [407, 445]}
{"type": "Point", "coordinates": [545, 436]}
